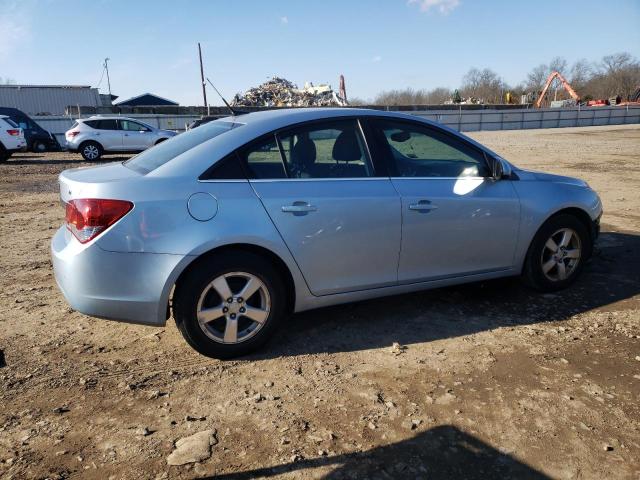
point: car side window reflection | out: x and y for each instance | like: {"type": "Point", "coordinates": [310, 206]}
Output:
{"type": "Point", "coordinates": [416, 151]}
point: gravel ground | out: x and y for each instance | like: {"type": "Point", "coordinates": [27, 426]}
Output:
{"type": "Point", "coordinates": [478, 381]}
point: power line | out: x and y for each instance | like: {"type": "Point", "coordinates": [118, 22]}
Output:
{"type": "Point", "coordinates": [101, 77]}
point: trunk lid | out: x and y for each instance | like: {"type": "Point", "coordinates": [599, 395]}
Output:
{"type": "Point", "coordinates": [89, 182]}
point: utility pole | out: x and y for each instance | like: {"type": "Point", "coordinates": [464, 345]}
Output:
{"type": "Point", "coordinates": [204, 90]}
{"type": "Point", "coordinates": [106, 67]}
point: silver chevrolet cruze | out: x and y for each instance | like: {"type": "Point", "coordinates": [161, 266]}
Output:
{"type": "Point", "coordinates": [233, 225]}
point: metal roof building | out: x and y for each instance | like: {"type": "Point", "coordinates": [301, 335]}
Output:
{"type": "Point", "coordinates": [48, 99]}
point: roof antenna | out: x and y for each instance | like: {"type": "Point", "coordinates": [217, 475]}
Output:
{"type": "Point", "coordinates": [233, 112]}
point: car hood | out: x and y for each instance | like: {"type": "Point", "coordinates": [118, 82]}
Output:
{"type": "Point", "coordinates": [532, 176]}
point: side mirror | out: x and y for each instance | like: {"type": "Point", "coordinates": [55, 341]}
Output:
{"type": "Point", "coordinates": [500, 169]}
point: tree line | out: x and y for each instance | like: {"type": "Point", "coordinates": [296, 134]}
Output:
{"type": "Point", "coordinates": [614, 75]}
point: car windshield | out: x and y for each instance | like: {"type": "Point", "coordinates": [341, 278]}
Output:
{"type": "Point", "coordinates": [157, 156]}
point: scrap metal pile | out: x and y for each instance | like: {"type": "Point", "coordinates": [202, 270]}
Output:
{"type": "Point", "coordinates": [279, 92]}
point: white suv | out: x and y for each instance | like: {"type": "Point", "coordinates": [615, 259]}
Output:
{"type": "Point", "coordinates": [11, 138]}
{"type": "Point", "coordinates": [94, 136]}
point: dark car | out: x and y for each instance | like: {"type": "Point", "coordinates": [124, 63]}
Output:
{"type": "Point", "coordinates": [38, 139]}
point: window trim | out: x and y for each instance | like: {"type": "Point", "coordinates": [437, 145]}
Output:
{"type": "Point", "coordinates": [389, 164]}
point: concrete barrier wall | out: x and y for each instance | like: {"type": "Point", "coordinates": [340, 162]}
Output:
{"type": "Point", "coordinates": [462, 120]}
{"type": "Point", "coordinates": [473, 121]}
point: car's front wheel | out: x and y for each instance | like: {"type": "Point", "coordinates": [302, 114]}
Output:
{"type": "Point", "coordinates": [557, 253]}
{"type": "Point", "coordinates": [229, 305]}
{"type": "Point", "coordinates": [91, 151]}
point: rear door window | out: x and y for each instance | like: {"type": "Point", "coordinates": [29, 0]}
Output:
{"type": "Point", "coordinates": [331, 149]}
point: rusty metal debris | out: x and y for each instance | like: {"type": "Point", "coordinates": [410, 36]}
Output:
{"type": "Point", "coordinates": [280, 92]}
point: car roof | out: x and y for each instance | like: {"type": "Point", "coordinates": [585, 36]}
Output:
{"type": "Point", "coordinates": [109, 117]}
{"type": "Point", "coordinates": [295, 115]}
{"type": "Point", "coordinates": [256, 124]}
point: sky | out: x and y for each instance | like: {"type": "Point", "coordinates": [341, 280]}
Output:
{"type": "Point", "coordinates": [377, 44]}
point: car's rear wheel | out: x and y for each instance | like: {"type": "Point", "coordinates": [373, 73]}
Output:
{"type": "Point", "coordinates": [91, 151]}
{"type": "Point", "coordinates": [38, 146]}
{"type": "Point", "coordinates": [557, 254]}
{"type": "Point", "coordinates": [229, 305]}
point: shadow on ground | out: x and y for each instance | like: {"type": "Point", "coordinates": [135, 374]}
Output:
{"type": "Point", "coordinates": [443, 452]}
{"type": "Point", "coordinates": [610, 277]}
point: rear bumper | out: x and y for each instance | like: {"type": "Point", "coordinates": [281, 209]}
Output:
{"type": "Point", "coordinates": [130, 287]}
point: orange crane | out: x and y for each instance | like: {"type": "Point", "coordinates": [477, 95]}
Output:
{"type": "Point", "coordinates": [565, 84]}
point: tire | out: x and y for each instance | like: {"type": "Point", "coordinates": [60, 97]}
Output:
{"type": "Point", "coordinates": [38, 146]}
{"type": "Point", "coordinates": [91, 151]}
{"type": "Point", "coordinates": [196, 293]}
{"type": "Point", "coordinates": [160, 141]}
{"type": "Point", "coordinates": [543, 267]}
{"type": "Point", "coordinates": [4, 155]}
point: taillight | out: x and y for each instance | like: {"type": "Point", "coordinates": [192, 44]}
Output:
{"type": "Point", "coordinates": [72, 134]}
{"type": "Point", "coordinates": [86, 218]}
{"type": "Point", "coordinates": [14, 132]}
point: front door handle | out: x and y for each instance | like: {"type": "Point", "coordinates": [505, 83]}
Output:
{"type": "Point", "coordinates": [299, 207]}
{"type": "Point", "coordinates": [423, 206]}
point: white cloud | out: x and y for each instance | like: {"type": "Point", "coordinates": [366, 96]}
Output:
{"type": "Point", "coordinates": [284, 20]}
{"type": "Point", "coordinates": [376, 59]}
{"type": "Point", "coordinates": [443, 6]}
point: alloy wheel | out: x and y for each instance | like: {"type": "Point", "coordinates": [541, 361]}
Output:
{"type": "Point", "coordinates": [561, 254]}
{"type": "Point", "coordinates": [233, 307]}
{"type": "Point", "coordinates": [91, 152]}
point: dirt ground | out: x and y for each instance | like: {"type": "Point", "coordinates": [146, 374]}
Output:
{"type": "Point", "coordinates": [489, 380]}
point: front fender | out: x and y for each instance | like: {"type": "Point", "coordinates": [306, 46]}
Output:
{"type": "Point", "coordinates": [541, 200]}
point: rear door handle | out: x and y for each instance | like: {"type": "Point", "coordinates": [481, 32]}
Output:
{"type": "Point", "coordinates": [299, 207]}
{"type": "Point", "coordinates": [423, 206]}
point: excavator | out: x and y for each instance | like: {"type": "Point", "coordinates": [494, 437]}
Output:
{"type": "Point", "coordinates": [565, 84]}
{"type": "Point", "coordinates": [634, 99]}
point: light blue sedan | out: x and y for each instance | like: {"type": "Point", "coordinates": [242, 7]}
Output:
{"type": "Point", "coordinates": [235, 224]}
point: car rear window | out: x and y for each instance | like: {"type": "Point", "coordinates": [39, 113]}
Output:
{"type": "Point", "coordinates": [162, 153]}
{"type": "Point", "coordinates": [11, 122]}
